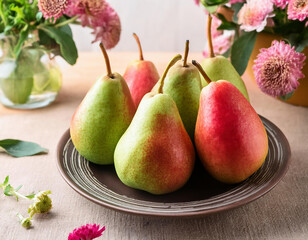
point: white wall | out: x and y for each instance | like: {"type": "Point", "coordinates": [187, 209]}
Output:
{"type": "Point", "coordinates": [162, 25]}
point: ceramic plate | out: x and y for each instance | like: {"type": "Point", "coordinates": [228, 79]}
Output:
{"type": "Point", "coordinates": [201, 195]}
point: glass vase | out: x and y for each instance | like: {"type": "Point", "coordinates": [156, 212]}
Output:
{"type": "Point", "coordinates": [31, 80]}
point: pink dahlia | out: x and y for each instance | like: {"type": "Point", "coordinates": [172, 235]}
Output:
{"type": "Point", "coordinates": [254, 14]}
{"type": "Point", "coordinates": [87, 10]}
{"type": "Point", "coordinates": [281, 3]}
{"type": "Point", "coordinates": [298, 10]}
{"type": "Point", "coordinates": [278, 68]}
{"type": "Point", "coordinates": [53, 8]}
{"type": "Point", "coordinates": [108, 29]}
{"type": "Point", "coordinates": [98, 14]}
{"type": "Point", "coordinates": [86, 232]}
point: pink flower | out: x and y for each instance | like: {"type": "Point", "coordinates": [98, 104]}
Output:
{"type": "Point", "coordinates": [108, 29]}
{"type": "Point", "coordinates": [278, 69]}
{"type": "Point", "coordinates": [215, 24]}
{"type": "Point", "coordinates": [197, 2]}
{"type": "Point", "coordinates": [98, 15]}
{"type": "Point", "coordinates": [254, 14]}
{"type": "Point", "coordinates": [298, 10]}
{"type": "Point", "coordinates": [86, 232]}
{"type": "Point", "coordinates": [53, 8]}
{"type": "Point", "coordinates": [221, 44]}
{"type": "Point", "coordinates": [87, 10]}
{"type": "Point", "coordinates": [281, 3]}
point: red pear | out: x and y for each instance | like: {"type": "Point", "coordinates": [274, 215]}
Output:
{"type": "Point", "coordinates": [230, 138]}
{"type": "Point", "coordinates": [141, 76]}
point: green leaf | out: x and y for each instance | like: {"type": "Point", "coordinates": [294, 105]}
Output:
{"type": "Point", "coordinates": [18, 148]}
{"type": "Point", "coordinates": [287, 96]}
{"type": "Point", "coordinates": [212, 5]}
{"type": "Point", "coordinates": [213, 2]}
{"type": "Point", "coordinates": [22, 38]}
{"type": "Point", "coordinates": [6, 180]}
{"type": "Point", "coordinates": [66, 42]}
{"type": "Point", "coordinates": [39, 16]}
{"type": "Point", "coordinates": [67, 29]}
{"type": "Point", "coordinates": [225, 24]}
{"type": "Point", "coordinates": [227, 53]}
{"type": "Point", "coordinates": [241, 51]}
{"type": "Point", "coordinates": [31, 196]}
{"type": "Point", "coordinates": [236, 7]}
{"type": "Point", "coordinates": [8, 191]}
{"type": "Point", "coordinates": [19, 187]}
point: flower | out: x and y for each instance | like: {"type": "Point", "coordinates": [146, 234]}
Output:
{"type": "Point", "coordinates": [41, 203]}
{"type": "Point", "coordinates": [98, 15]}
{"type": "Point", "coordinates": [221, 44]}
{"type": "Point", "coordinates": [278, 68]}
{"type": "Point", "coordinates": [298, 10]}
{"type": "Point", "coordinates": [25, 222]}
{"type": "Point", "coordinates": [108, 28]}
{"type": "Point", "coordinates": [254, 14]}
{"type": "Point", "coordinates": [197, 2]}
{"type": "Point", "coordinates": [215, 24]}
{"type": "Point", "coordinates": [86, 232]}
{"type": "Point", "coordinates": [281, 3]}
{"type": "Point", "coordinates": [87, 10]}
{"type": "Point", "coordinates": [53, 8]}
{"type": "Point", "coordinates": [222, 40]}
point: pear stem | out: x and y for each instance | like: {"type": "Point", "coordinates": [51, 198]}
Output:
{"type": "Point", "coordinates": [186, 53]}
{"type": "Point", "coordinates": [109, 72]}
{"type": "Point", "coordinates": [171, 63]}
{"type": "Point", "coordinates": [206, 77]}
{"type": "Point", "coordinates": [209, 35]}
{"type": "Point", "coordinates": [139, 45]}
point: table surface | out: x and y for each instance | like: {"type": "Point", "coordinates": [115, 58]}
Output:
{"type": "Point", "coordinates": [280, 214]}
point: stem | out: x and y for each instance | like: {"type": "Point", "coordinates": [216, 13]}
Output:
{"type": "Point", "coordinates": [186, 53]}
{"type": "Point", "coordinates": [171, 63]}
{"type": "Point", "coordinates": [209, 35]}
{"type": "Point", "coordinates": [206, 77]}
{"type": "Point", "coordinates": [109, 72]}
{"type": "Point", "coordinates": [20, 195]}
{"type": "Point", "coordinates": [68, 21]}
{"type": "Point", "coordinates": [139, 45]}
{"type": "Point", "coordinates": [2, 15]}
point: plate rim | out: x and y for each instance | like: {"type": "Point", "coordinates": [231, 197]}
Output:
{"type": "Point", "coordinates": [256, 195]}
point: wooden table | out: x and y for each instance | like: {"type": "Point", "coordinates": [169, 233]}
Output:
{"type": "Point", "coordinates": [280, 214]}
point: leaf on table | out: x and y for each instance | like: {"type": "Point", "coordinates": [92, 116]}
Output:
{"type": "Point", "coordinates": [18, 148]}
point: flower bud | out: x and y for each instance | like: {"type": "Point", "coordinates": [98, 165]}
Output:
{"type": "Point", "coordinates": [41, 203]}
{"type": "Point", "coordinates": [25, 222]}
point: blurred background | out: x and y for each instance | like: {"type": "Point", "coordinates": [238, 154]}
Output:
{"type": "Point", "coordinates": [162, 25]}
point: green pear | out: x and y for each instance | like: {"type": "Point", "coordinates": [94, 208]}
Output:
{"type": "Point", "coordinates": [183, 84]}
{"type": "Point", "coordinates": [220, 68]}
{"type": "Point", "coordinates": [230, 138]}
{"type": "Point", "coordinates": [102, 117]}
{"type": "Point", "coordinates": [155, 154]}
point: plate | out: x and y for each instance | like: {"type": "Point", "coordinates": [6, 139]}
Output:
{"type": "Point", "coordinates": [200, 196]}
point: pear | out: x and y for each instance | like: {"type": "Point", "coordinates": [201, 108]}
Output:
{"type": "Point", "coordinates": [155, 154]}
{"type": "Point", "coordinates": [219, 67]}
{"type": "Point", "coordinates": [102, 117]}
{"type": "Point", "coordinates": [141, 75]}
{"type": "Point", "coordinates": [230, 138]}
{"type": "Point", "coordinates": [183, 84]}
